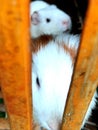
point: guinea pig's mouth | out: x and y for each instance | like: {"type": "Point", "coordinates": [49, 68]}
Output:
{"type": "Point", "coordinates": [67, 31]}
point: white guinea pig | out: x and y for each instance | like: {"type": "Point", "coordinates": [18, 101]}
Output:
{"type": "Point", "coordinates": [47, 19]}
{"type": "Point", "coordinates": [52, 71]}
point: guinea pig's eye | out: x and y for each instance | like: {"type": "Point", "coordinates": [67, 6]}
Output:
{"type": "Point", "coordinates": [48, 20]}
{"type": "Point", "coordinates": [37, 81]}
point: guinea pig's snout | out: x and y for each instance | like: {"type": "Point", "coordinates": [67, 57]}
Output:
{"type": "Point", "coordinates": [66, 23]}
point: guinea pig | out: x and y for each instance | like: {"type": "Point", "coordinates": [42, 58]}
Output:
{"type": "Point", "coordinates": [47, 20]}
{"type": "Point", "coordinates": [52, 71]}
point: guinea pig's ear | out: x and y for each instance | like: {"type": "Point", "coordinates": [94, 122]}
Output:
{"type": "Point", "coordinates": [35, 18]}
{"type": "Point", "coordinates": [53, 7]}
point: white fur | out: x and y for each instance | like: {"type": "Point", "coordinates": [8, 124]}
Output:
{"type": "Point", "coordinates": [54, 68]}
{"type": "Point", "coordinates": [55, 26]}
{"type": "Point", "coordinates": [37, 5]}
{"type": "Point", "coordinates": [72, 41]}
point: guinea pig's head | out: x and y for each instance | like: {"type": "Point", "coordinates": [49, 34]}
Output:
{"type": "Point", "coordinates": [52, 71]}
{"type": "Point", "coordinates": [50, 20]}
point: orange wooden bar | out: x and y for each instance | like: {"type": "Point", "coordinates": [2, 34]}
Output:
{"type": "Point", "coordinates": [15, 62]}
{"type": "Point", "coordinates": [85, 79]}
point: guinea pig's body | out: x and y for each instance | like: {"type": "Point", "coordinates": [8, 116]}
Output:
{"type": "Point", "coordinates": [47, 20]}
{"type": "Point", "coordinates": [52, 72]}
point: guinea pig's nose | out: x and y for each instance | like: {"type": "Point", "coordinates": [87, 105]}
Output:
{"type": "Point", "coordinates": [65, 22]}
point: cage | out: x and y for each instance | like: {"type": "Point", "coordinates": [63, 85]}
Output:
{"type": "Point", "coordinates": [15, 68]}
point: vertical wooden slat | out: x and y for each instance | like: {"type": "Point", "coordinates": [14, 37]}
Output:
{"type": "Point", "coordinates": [85, 79]}
{"type": "Point", "coordinates": [15, 62]}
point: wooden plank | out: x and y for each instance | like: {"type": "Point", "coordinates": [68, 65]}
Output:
{"type": "Point", "coordinates": [0, 94]}
{"type": "Point", "coordinates": [15, 62]}
{"type": "Point", "coordinates": [85, 79]}
{"type": "Point", "coordinates": [4, 124]}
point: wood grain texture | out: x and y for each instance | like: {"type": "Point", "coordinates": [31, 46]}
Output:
{"type": "Point", "coordinates": [4, 124]}
{"type": "Point", "coordinates": [85, 78]}
{"type": "Point", "coordinates": [15, 62]}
